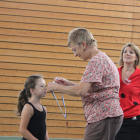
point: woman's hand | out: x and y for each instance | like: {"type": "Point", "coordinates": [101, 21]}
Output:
{"type": "Point", "coordinates": [62, 81]}
{"type": "Point", "coordinates": [51, 86]}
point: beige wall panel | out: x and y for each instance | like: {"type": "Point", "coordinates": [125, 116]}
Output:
{"type": "Point", "coordinates": [50, 109]}
{"type": "Point", "coordinates": [58, 130]}
{"type": "Point", "coordinates": [15, 93]}
{"type": "Point", "coordinates": [136, 22]}
{"type": "Point", "coordinates": [51, 135]}
{"type": "Point", "coordinates": [24, 53]}
{"type": "Point", "coordinates": [46, 102]}
{"type": "Point", "coordinates": [54, 61]}
{"type": "Point", "coordinates": [108, 48]}
{"type": "Point", "coordinates": [136, 35]}
{"type": "Point", "coordinates": [55, 48]}
{"type": "Point", "coordinates": [28, 40]}
{"type": "Point", "coordinates": [137, 6]}
{"type": "Point", "coordinates": [42, 61]}
{"type": "Point", "coordinates": [9, 93]}
{"type": "Point", "coordinates": [127, 21]}
{"type": "Point", "coordinates": [41, 68]}
{"type": "Point", "coordinates": [46, 74]}
{"type": "Point", "coordinates": [58, 9]}
{"type": "Point", "coordinates": [136, 41]}
{"type": "Point", "coordinates": [53, 31]}
{"type": "Point", "coordinates": [129, 2]}
{"type": "Point", "coordinates": [136, 30]}
{"type": "Point", "coordinates": [62, 22]}
{"type": "Point", "coordinates": [36, 47]}
{"type": "Point", "coordinates": [49, 62]}
{"type": "Point", "coordinates": [136, 15]}
{"type": "Point", "coordinates": [50, 122]}
{"type": "Point", "coordinates": [27, 4]}
{"type": "Point", "coordinates": [54, 41]}
{"type": "Point", "coordinates": [116, 2]}
{"type": "Point", "coordinates": [51, 116]}
{"type": "Point", "coordinates": [7, 114]}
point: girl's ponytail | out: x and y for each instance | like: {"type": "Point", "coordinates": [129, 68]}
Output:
{"type": "Point", "coordinates": [22, 100]}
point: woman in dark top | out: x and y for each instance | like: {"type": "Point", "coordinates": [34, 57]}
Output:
{"type": "Point", "coordinates": [33, 114]}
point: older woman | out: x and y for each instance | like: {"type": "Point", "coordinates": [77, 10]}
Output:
{"type": "Point", "coordinates": [130, 92]}
{"type": "Point", "coordinates": [99, 87]}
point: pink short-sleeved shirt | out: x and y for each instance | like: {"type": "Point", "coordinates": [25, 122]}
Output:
{"type": "Point", "coordinates": [102, 99]}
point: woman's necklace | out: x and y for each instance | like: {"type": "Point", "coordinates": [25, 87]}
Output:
{"type": "Point", "coordinates": [126, 74]}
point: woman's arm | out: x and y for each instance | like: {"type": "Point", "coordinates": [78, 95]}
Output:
{"type": "Point", "coordinates": [26, 114]}
{"type": "Point", "coordinates": [63, 81]}
{"type": "Point", "coordinates": [79, 90]}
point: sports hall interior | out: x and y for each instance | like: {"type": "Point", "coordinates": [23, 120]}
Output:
{"type": "Point", "coordinates": [33, 40]}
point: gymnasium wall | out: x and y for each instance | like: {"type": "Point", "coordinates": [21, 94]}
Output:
{"type": "Point", "coordinates": [33, 39]}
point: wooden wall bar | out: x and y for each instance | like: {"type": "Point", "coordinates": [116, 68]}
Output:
{"type": "Point", "coordinates": [33, 40]}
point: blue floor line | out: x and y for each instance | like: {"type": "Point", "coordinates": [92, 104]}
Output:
{"type": "Point", "coordinates": [19, 138]}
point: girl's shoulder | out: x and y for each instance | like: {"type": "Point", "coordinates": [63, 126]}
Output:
{"type": "Point", "coordinates": [44, 108]}
{"type": "Point", "coordinates": [28, 106]}
{"type": "Point", "coordinates": [27, 110]}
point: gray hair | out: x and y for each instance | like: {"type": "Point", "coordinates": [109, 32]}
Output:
{"type": "Point", "coordinates": [77, 35]}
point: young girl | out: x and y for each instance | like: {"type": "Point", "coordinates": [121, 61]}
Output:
{"type": "Point", "coordinates": [33, 114]}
